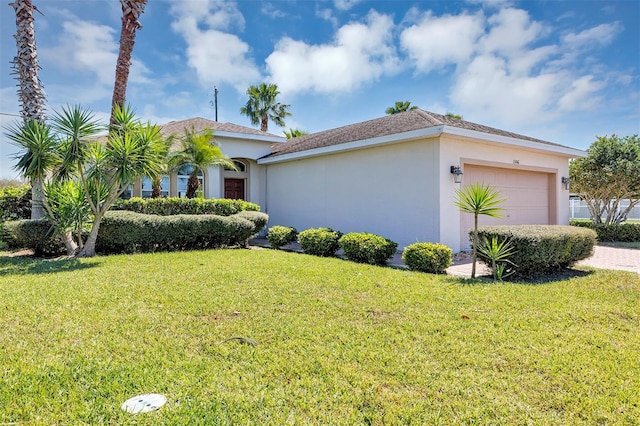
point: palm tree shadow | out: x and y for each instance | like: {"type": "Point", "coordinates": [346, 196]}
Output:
{"type": "Point", "coordinates": [26, 265]}
{"type": "Point", "coordinates": [552, 278]}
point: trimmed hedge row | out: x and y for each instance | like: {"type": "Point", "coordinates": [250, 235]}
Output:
{"type": "Point", "coordinates": [131, 232]}
{"type": "Point", "coordinates": [279, 236]}
{"type": "Point", "coordinates": [627, 232]}
{"type": "Point", "coordinates": [541, 249]}
{"type": "Point", "coordinates": [15, 203]}
{"type": "Point", "coordinates": [168, 206]}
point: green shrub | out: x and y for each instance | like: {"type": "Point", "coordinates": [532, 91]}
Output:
{"type": "Point", "coordinates": [37, 235]}
{"type": "Point", "coordinates": [319, 241]}
{"type": "Point", "coordinates": [367, 248]}
{"type": "Point", "coordinates": [627, 232]}
{"type": "Point", "coordinates": [433, 258]}
{"type": "Point", "coordinates": [15, 203]}
{"type": "Point", "coordinates": [258, 219]}
{"type": "Point", "coordinates": [279, 236]}
{"type": "Point", "coordinates": [168, 206]}
{"type": "Point", "coordinates": [130, 232]}
{"type": "Point", "coordinates": [539, 250]}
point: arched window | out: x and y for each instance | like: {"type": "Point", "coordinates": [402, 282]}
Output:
{"type": "Point", "coordinates": [183, 178]}
{"type": "Point", "coordinates": [242, 168]}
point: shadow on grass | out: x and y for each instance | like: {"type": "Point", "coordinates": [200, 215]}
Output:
{"type": "Point", "coordinates": [22, 265]}
{"type": "Point", "coordinates": [561, 275]}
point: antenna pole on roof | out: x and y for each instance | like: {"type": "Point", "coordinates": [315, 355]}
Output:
{"type": "Point", "coordinates": [215, 100]}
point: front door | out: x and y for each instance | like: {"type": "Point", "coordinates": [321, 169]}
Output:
{"type": "Point", "coordinates": [234, 189]}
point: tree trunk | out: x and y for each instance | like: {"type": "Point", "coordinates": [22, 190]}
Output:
{"type": "Point", "coordinates": [156, 187]}
{"type": "Point", "coordinates": [475, 246]}
{"type": "Point", "coordinates": [192, 185]}
{"type": "Point", "coordinates": [69, 243]}
{"type": "Point", "coordinates": [25, 64]}
{"type": "Point", "coordinates": [131, 11]}
{"type": "Point", "coordinates": [37, 199]}
{"type": "Point", "coordinates": [264, 123]}
{"type": "Point", "coordinates": [89, 249]}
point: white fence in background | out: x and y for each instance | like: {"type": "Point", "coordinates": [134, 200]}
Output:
{"type": "Point", "coordinates": [578, 209]}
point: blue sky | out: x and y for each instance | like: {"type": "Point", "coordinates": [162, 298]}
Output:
{"type": "Point", "coordinates": [563, 71]}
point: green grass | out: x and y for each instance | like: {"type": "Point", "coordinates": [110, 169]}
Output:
{"type": "Point", "coordinates": [338, 343]}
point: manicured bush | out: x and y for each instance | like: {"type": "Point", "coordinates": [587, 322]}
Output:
{"type": "Point", "coordinates": [130, 232]}
{"type": "Point", "coordinates": [539, 250]}
{"type": "Point", "coordinates": [168, 206]}
{"type": "Point", "coordinates": [15, 203]}
{"type": "Point", "coordinates": [280, 236]}
{"type": "Point", "coordinates": [367, 248]}
{"type": "Point", "coordinates": [37, 235]}
{"type": "Point", "coordinates": [258, 219]}
{"type": "Point", "coordinates": [627, 231]}
{"type": "Point", "coordinates": [433, 258]}
{"type": "Point", "coordinates": [319, 241]}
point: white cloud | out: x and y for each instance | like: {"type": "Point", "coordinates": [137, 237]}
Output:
{"type": "Point", "coordinates": [217, 57]}
{"type": "Point", "coordinates": [438, 41]}
{"type": "Point", "coordinates": [345, 4]}
{"type": "Point", "coordinates": [601, 35]}
{"type": "Point", "coordinates": [360, 53]}
{"type": "Point", "coordinates": [271, 11]}
{"type": "Point", "coordinates": [581, 94]}
{"type": "Point", "coordinates": [511, 31]}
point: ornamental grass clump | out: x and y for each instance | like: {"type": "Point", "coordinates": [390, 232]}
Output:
{"type": "Point", "coordinates": [280, 236]}
{"type": "Point", "coordinates": [320, 241]}
{"type": "Point", "coordinates": [367, 248]}
{"type": "Point", "coordinates": [433, 258]}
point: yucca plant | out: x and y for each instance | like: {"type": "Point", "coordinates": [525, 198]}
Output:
{"type": "Point", "coordinates": [498, 253]}
{"type": "Point", "coordinates": [478, 199]}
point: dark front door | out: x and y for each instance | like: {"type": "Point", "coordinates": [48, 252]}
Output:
{"type": "Point", "coordinates": [234, 188]}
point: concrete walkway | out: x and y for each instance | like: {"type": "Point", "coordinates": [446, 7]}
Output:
{"type": "Point", "coordinates": [604, 257]}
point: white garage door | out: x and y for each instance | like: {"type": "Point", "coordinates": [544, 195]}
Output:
{"type": "Point", "coordinates": [526, 197]}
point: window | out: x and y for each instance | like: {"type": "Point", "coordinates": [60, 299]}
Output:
{"type": "Point", "coordinates": [239, 165]}
{"type": "Point", "coordinates": [127, 193]}
{"type": "Point", "coordinates": [183, 179]}
{"type": "Point", "coordinates": [147, 186]}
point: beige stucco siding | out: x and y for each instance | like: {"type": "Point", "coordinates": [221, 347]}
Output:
{"type": "Point", "coordinates": [465, 151]}
{"type": "Point", "coordinates": [388, 190]}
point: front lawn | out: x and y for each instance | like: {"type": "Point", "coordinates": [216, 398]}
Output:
{"type": "Point", "coordinates": [337, 343]}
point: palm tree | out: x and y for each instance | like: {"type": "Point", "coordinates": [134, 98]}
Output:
{"type": "Point", "coordinates": [478, 199]}
{"type": "Point", "coordinates": [452, 115]}
{"type": "Point", "coordinates": [294, 133]}
{"type": "Point", "coordinates": [262, 106]}
{"type": "Point", "coordinates": [131, 11]}
{"type": "Point", "coordinates": [30, 93]}
{"type": "Point", "coordinates": [200, 152]}
{"type": "Point", "coordinates": [400, 107]}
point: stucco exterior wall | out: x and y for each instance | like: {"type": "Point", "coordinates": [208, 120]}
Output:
{"type": "Point", "coordinates": [389, 190]}
{"type": "Point", "coordinates": [456, 151]}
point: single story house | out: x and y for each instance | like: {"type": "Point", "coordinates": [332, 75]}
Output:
{"type": "Point", "coordinates": [395, 176]}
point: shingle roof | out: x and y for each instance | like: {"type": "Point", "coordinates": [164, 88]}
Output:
{"type": "Point", "coordinates": [384, 126]}
{"type": "Point", "coordinates": [200, 124]}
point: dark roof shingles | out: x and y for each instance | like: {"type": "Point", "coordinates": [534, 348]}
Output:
{"type": "Point", "coordinates": [384, 126]}
{"type": "Point", "coordinates": [199, 124]}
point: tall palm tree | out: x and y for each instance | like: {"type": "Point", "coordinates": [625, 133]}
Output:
{"type": "Point", "coordinates": [478, 199]}
{"type": "Point", "coordinates": [131, 11]}
{"type": "Point", "coordinates": [30, 91]}
{"type": "Point", "coordinates": [262, 106]}
{"type": "Point", "coordinates": [200, 152]}
{"type": "Point", "coordinates": [400, 107]}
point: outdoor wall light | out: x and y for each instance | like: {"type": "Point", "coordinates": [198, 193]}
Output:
{"type": "Point", "coordinates": [457, 174]}
{"type": "Point", "coordinates": [566, 182]}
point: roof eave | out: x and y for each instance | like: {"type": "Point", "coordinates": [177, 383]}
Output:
{"type": "Point", "coordinates": [355, 145]}
{"type": "Point", "coordinates": [249, 136]}
{"type": "Point", "coordinates": [521, 143]}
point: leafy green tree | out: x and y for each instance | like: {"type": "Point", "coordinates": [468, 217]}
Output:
{"type": "Point", "coordinates": [294, 133]}
{"type": "Point", "coordinates": [478, 199]}
{"type": "Point", "coordinates": [608, 174]}
{"type": "Point", "coordinates": [400, 107]}
{"type": "Point", "coordinates": [200, 151]}
{"type": "Point", "coordinates": [67, 209]}
{"type": "Point", "coordinates": [263, 106]}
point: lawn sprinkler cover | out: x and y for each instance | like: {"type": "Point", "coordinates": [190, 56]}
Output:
{"type": "Point", "coordinates": [144, 403]}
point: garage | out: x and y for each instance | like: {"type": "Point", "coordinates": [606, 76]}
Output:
{"type": "Point", "coordinates": [526, 196]}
